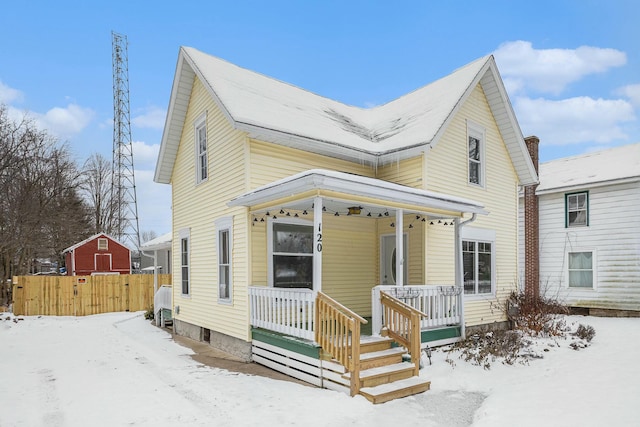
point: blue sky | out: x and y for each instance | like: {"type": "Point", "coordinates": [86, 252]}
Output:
{"type": "Point", "coordinates": [572, 68]}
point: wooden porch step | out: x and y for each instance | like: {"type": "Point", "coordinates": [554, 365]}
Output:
{"type": "Point", "coordinates": [371, 344]}
{"type": "Point", "coordinates": [395, 390]}
{"type": "Point", "coordinates": [379, 358]}
{"type": "Point", "coordinates": [384, 374]}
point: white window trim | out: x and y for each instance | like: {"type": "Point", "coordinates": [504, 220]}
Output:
{"type": "Point", "coordinates": [200, 122]}
{"type": "Point", "coordinates": [594, 269]}
{"type": "Point", "coordinates": [481, 235]}
{"type": "Point", "coordinates": [106, 243]}
{"type": "Point", "coordinates": [223, 224]}
{"type": "Point", "coordinates": [270, 222]}
{"type": "Point", "coordinates": [95, 260]}
{"type": "Point", "coordinates": [476, 131]}
{"type": "Point", "coordinates": [185, 233]}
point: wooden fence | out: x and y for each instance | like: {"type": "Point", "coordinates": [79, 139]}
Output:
{"type": "Point", "coordinates": [83, 295]}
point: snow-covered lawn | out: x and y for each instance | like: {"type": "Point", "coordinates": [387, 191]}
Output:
{"type": "Point", "coordinates": [119, 370]}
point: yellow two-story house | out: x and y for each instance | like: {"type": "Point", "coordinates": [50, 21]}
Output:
{"type": "Point", "coordinates": [281, 196]}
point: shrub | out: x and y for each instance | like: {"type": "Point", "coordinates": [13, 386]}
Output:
{"type": "Point", "coordinates": [585, 332]}
{"type": "Point", "coordinates": [149, 313]}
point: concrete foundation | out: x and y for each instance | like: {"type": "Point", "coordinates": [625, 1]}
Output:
{"type": "Point", "coordinates": [231, 345]}
{"type": "Point", "coordinates": [487, 327]}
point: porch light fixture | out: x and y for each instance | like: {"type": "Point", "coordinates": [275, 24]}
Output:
{"type": "Point", "coordinates": [355, 210]}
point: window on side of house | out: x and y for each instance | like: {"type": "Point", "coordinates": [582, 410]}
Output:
{"type": "Point", "coordinates": [580, 268]}
{"type": "Point", "coordinates": [476, 148]}
{"type": "Point", "coordinates": [103, 244]}
{"type": "Point", "coordinates": [202, 162]}
{"type": "Point", "coordinates": [477, 259]}
{"type": "Point", "coordinates": [225, 247]}
{"type": "Point", "coordinates": [577, 209]}
{"type": "Point", "coordinates": [291, 255]}
{"type": "Point", "coordinates": [185, 277]}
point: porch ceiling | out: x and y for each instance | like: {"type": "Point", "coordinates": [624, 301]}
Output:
{"type": "Point", "coordinates": [341, 190]}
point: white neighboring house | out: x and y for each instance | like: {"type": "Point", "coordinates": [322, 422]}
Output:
{"type": "Point", "coordinates": [589, 230]}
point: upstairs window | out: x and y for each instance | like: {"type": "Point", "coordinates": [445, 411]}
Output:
{"type": "Point", "coordinates": [475, 146]}
{"type": "Point", "coordinates": [577, 209]}
{"type": "Point", "coordinates": [202, 163]}
{"type": "Point", "coordinates": [103, 244]}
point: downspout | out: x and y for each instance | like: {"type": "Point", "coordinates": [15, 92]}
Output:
{"type": "Point", "coordinates": [155, 269]}
{"type": "Point", "coordinates": [459, 266]}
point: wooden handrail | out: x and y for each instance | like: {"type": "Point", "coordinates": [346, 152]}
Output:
{"type": "Point", "coordinates": [402, 323]}
{"type": "Point", "coordinates": [337, 330]}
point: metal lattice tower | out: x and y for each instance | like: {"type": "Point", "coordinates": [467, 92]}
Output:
{"type": "Point", "coordinates": [123, 187]}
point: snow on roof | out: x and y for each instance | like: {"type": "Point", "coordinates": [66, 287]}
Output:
{"type": "Point", "coordinates": [160, 242]}
{"type": "Point", "coordinates": [356, 185]}
{"type": "Point", "coordinates": [88, 239]}
{"type": "Point", "coordinates": [600, 167]}
{"type": "Point", "coordinates": [275, 111]}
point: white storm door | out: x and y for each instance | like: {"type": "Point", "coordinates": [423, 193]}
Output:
{"type": "Point", "coordinates": [388, 259]}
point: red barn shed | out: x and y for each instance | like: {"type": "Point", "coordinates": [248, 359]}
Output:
{"type": "Point", "coordinates": [99, 254]}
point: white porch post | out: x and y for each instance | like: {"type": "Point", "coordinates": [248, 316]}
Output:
{"type": "Point", "coordinates": [399, 248]}
{"type": "Point", "coordinates": [317, 244]}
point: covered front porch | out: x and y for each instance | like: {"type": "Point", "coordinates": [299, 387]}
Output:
{"type": "Point", "coordinates": [361, 244]}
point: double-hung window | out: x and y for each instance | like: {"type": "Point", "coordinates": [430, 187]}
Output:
{"type": "Point", "coordinates": [577, 209]}
{"type": "Point", "coordinates": [184, 261]}
{"type": "Point", "coordinates": [225, 246]}
{"type": "Point", "coordinates": [580, 266]}
{"type": "Point", "coordinates": [291, 255]}
{"type": "Point", "coordinates": [202, 163]}
{"type": "Point", "coordinates": [478, 261]}
{"type": "Point", "coordinates": [475, 150]}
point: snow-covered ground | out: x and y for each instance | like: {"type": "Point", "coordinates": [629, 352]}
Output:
{"type": "Point", "coordinates": [118, 370]}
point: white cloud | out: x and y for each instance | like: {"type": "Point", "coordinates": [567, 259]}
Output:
{"type": "Point", "coordinates": [64, 122]}
{"type": "Point", "coordinates": [144, 155]}
{"type": "Point", "coordinates": [152, 118]}
{"type": "Point", "coordinates": [632, 92]}
{"type": "Point", "coordinates": [9, 95]}
{"type": "Point", "coordinates": [154, 203]}
{"type": "Point", "coordinates": [574, 120]}
{"type": "Point", "coordinates": [551, 70]}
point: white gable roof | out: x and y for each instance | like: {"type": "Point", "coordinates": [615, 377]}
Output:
{"type": "Point", "coordinates": [160, 242]}
{"type": "Point", "coordinates": [620, 164]}
{"type": "Point", "coordinates": [88, 239]}
{"type": "Point", "coordinates": [278, 112]}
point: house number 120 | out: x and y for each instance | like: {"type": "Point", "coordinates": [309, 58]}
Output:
{"type": "Point", "coordinates": [319, 238]}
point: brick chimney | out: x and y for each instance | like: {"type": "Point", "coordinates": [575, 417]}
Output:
{"type": "Point", "coordinates": [531, 229]}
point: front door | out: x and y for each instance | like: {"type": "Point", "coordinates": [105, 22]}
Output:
{"type": "Point", "coordinates": [388, 259]}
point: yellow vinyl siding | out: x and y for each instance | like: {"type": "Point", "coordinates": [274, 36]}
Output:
{"type": "Point", "coordinates": [447, 173]}
{"type": "Point", "coordinates": [406, 172]}
{"type": "Point", "coordinates": [197, 206]}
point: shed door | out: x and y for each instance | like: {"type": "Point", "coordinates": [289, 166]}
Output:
{"type": "Point", "coordinates": [103, 262]}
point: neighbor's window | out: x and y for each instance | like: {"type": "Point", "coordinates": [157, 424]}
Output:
{"type": "Point", "coordinates": [477, 261]}
{"type": "Point", "coordinates": [580, 269]}
{"type": "Point", "coordinates": [292, 255]}
{"type": "Point", "coordinates": [475, 145]}
{"type": "Point", "coordinates": [224, 259]}
{"type": "Point", "coordinates": [577, 209]}
{"type": "Point", "coordinates": [202, 170]}
{"type": "Point", "coordinates": [184, 261]}
{"type": "Point", "coordinates": [103, 244]}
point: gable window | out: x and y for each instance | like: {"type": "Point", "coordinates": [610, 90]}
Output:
{"type": "Point", "coordinates": [224, 259]}
{"type": "Point", "coordinates": [184, 262]}
{"type": "Point", "coordinates": [103, 244]}
{"type": "Point", "coordinates": [577, 209]}
{"type": "Point", "coordinates": [202, 165]}
{"type": "Point", "coordinates": [291, 255]}
{"type": "Point", "coordinates": [580, 266]}
{"type": "Point", "coordinates": [475, 146]}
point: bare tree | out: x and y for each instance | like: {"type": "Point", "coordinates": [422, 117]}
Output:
{"type": "Point", "coordinates": [148, 235]}
{"type": "Point", "coordinates": [96, 188]}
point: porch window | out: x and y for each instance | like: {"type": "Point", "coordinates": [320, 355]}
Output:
{"type": "Point", "coordinates": [477, 259]}
{"type": "Point", "coordinates": [292, 255]}
{"type": "Point", "coordinates": [224, 259]}
{"type": "Point", "coordinates": [202, 171]}
{"type": "Point", "coordinates": [184, 261]}
{"type": "Point", "coordinates": [580, 269]}
{"type": "Point", "coordinates": [577, 209]}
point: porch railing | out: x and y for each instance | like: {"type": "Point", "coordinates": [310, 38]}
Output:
{"type": "Point", "coordinates": [289, 311]}
{"type": "Point", "coordinates": [401, 322]}
{"type": "Point", "coordinates": [441, 305]}
{"type": "Point", "coordinates": [338, 333]}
